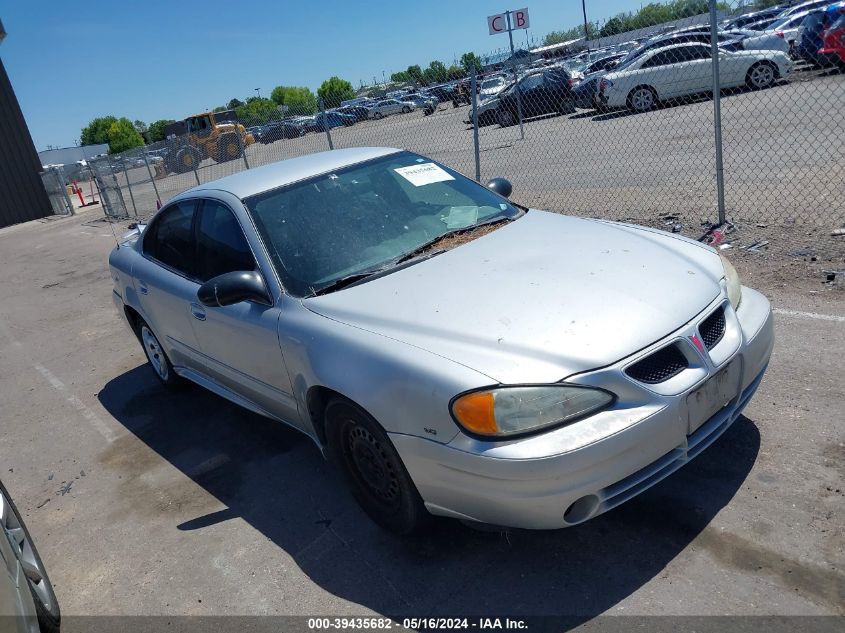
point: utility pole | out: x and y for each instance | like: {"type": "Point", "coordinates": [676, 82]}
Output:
{"type": "Point", "coordinates": [586, 28]}
{"type": "Point", "coordinates": [515, 78]}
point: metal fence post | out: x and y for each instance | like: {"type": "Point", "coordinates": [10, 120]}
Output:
{"type": "Point", "coordinates": [152, 179]}
{"type": "Point", "coordinates": [325, 122]}
{"type": "Point", "coordinates": [717, 112]}
{"type": "Point", "coordinates": [241, 145]}
{"type": "Point", "coordinates": [128, 186]}
{"type": "Point", "coordinates": [515, 80]}
{"type": "Point", "coordinates": [473, 88]}
{"type": "Point", "coordinates": [60, 181]}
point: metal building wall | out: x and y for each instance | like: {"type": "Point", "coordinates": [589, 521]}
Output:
{"type": "Point", "coordinates": [22, 194]}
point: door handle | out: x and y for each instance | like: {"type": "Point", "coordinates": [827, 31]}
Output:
{"type": "Point", "coordinates": [197, 312]}
{"type": "Point", "coordinates": [142, 287]}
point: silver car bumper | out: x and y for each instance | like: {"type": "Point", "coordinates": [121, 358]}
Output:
{"type": "Point", "coordinates": [571, 474]}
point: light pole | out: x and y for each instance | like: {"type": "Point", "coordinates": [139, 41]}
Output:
{"type": "Point", "coordinates": [586, 31]}
{"type": "Point", "coordinates": [384, 76]}
{"type": "Point", "coordinates": [258, 92]}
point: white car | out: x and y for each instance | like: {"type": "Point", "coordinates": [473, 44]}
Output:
{"type": "Point", "coordinates": [761, 41]}
{"type": "Point", "coordinates": [686, 69]}
{"type": "Point", "coordinates": [389, 106]}
{"type": "Point", "coordinates": [787, 27]}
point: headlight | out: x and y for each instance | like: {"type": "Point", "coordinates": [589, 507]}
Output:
{"type": "Point", "coordinates": [732, 280]}
{"type": "Point", "coordinates": [507, 411]}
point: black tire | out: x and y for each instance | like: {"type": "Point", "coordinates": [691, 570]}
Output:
{"type": "Point", "coordinates": [405, 110]}
{"type": "Point", "coordinates": [756, 80]}
{"type": "Point", "coordinates": [377, 115]}
{"type": "Point", "coordinates": [505, 117]}
{"type": "Point", "coordinates": [229, 147]}
{"type": "Point", "coordinates": [637, 100]}
{"type": "Point", "coordinates": [567, 106]}
{"type": "Point", "coordinates": [187, 159]}
{"type": "Point", "coordinates": [157, 357]}
{"type": "Point", "coordinates": [49, 615]}
{"type": "Point", "coordinates": [373, 469]}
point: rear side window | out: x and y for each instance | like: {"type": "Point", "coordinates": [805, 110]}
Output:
{"type": "Point", "coordinates": [221, 245]}
{"type": "Point", "coordinates": [170, 239]}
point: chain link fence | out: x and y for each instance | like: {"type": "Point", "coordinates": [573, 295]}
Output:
{"type": "Point", "coordinates": [623, 126]}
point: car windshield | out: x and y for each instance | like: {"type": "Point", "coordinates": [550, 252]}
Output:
{"type": "Point", "coordinates": [365, 217]}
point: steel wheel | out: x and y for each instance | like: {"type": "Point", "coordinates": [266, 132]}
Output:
{"type": "Point", "coordinates": [371, 465]}
{"type": "Point", "coordinates": [761, 75]}
{"type": "Point", "coordinates": [506, 117]}
{"type": "Point", "coordinates": [642, 99]}
{"type": "Point", "coordinates": [373, 469]}
{"type": "Point", "coordinates": [155, 354]}
{"type": "Point", "coordinates": [33, 569]}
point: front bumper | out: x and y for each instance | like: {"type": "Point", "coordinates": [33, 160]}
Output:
{"type": "Point", "coordinates": [573, 473]}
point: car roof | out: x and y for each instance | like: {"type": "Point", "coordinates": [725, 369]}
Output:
{"type": "Point", "coordinates": [260, 179]}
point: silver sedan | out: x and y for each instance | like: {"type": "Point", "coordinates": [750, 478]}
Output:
{"type": "Point", "coordinates": [454, 353]}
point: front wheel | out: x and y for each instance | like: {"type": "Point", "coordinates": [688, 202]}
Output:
{"type": "Point", "coordinates": [642, 99]}
{"type": "Point", "coordinates": [406, 110]}
{"type": "Point", "coordinates": [761, 75]}
{"type": "Point", "coordinates": [35, 575]}
{"type": "Point", "coordinates": [377, 115]}
{"type": "Point", "coordinates": [373, 469]}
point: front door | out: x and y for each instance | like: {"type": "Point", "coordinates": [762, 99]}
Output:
{"type": "Point", "coordinates": [239, 342]}
{"type": "Point", "coordinates": [164, 281]}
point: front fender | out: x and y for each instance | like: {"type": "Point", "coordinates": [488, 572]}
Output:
{"type": "Point", "coordinates": [405, 388]}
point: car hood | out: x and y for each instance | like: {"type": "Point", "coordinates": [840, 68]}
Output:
{"type": "Point", "coordinates": [539, 299]}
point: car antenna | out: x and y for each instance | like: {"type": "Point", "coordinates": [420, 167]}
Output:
{"type": "Point", "coordinates": [114, 235]}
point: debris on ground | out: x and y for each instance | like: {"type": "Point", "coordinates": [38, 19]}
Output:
{"type": "Point", "coordinates": [838, 232]}
{"type": "Point", "coordinates": [66, 488]}
{"type": "Point", "coordinates": [802, 252]}
{"type": "Point", "coordinates": [756, 246]}
{"type": "Point", "coordinates": [716, 234]}
{"type": "Point", "coordinates": [50, 477]}
{"type": "Point", "coordinates": [677, 227]}
{"type": "Point", "coordinates": [43, 503]}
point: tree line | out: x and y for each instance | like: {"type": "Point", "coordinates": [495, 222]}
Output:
{"type": "Point", "coordinates": [122, 134]}
{"type": "Point", "coordinates": [651, 14]}
{"type": "Point", "coordinates": [437, 72]}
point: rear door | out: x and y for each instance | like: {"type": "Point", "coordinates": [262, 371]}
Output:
{"type": "Point", "coordinates": [165, 280]}
{"type": "Point", "coordinates": [239, 343]}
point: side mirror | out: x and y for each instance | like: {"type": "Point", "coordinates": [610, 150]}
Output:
{"type": "Point", "coordinates": [502, 186]}
{"type": "Point", "coordinates": [230, 288]}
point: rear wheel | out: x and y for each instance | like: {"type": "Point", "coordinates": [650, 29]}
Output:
{"type": "Point", "coordinates": [761, 75]}
{"type": "Point", "coordinates": [405, 109]}
{"type": "Point", "coordinates": [157, 357]}
{"type": "Point", "coordinates": [23, 548]}
{"type": "Point", "coordinates": [373, 469]}
{"type": "Point", "coordinates": [642, 99]}
{"type": "Point", "coordinates": [505, 117]}
{"type": "Point", "coordinates": [377, 115]}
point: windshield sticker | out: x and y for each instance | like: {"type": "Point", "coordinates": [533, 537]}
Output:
{"type": "Point", "coordinates": [425, 174]}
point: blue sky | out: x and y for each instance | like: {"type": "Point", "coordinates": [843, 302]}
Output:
{"type": "Point", "coordinates": [71, 61]}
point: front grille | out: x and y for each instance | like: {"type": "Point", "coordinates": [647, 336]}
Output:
{"type": "Point", "coordinates": [712, 329]}
{"type": "Point", "coordinates": [660, 366]}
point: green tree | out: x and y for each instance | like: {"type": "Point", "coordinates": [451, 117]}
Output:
{"type": "Point", "coordinates": [97, 131]}
{"type": "Point", "coordinates": [123, 136]}
{"type": "Point", "coordinates": [234, 104]}
{"type": "Point", "coordinates": [257, 110]}
{"type": "Point", "coordinates": [436, 73]}
{"type": "Point", "coordinates": [456, 72]}
{"type": "Point", "coordinates": [300, 100]}
{"type": "Point", "coordinates": [468, 60]}
{"type": "Point", "coordinates": [297, 99]}
{"type": "Point", "coordinates": [416, 73]}
{"type": "Point", "coordinates": [156, 129]}
{"type": "Point", "coordinates": [402, 77]}
{"type": "Point", "coordinates": [334, 90]}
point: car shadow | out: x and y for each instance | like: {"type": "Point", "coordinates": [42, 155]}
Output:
{"type": "Point", "coordinates": [275, 479]}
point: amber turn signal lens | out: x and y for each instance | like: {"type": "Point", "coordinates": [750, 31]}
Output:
{"type": "Point", "coordinates": [475, 411]}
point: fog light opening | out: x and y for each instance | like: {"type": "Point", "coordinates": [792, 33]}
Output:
{"type": "Point", "coordinates": [582, 509]}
